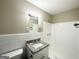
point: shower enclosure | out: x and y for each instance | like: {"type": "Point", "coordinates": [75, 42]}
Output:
{"type": "Point", "coordinates": [64, 40]}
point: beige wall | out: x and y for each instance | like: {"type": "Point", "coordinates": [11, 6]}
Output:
{"type": "Point", "coordinates": [13, 15]}
{"type": "Point", "coordinates": [72, 15]}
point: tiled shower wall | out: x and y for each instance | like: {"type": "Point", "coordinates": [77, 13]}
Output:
{"type": "Point", "coordinates": [65, 40]}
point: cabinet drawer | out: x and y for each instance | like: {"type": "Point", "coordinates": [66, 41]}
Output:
{"type": "Point", "coordinates": [42, 54]}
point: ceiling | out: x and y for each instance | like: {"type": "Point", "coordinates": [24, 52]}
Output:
{"type": "Point", "coordinates": [55, 6]}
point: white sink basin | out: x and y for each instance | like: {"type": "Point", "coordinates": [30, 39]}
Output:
{"type": "Point", "coordinates": [37, 45]}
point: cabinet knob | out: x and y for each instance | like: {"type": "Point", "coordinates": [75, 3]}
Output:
{"type": "Point", "coordinates": [31, 56]}
{"type": "Point", "coordinates": [42, 57]}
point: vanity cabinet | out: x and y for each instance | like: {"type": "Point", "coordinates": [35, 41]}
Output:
{"type": "Point", "coordinates": [42, 54]}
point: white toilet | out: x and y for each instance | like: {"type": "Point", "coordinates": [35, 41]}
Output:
{"type": "Point", "coordinates": [12, 55]}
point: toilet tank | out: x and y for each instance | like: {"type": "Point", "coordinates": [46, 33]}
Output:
{"type": "Point", "coordinates": [14, 54]}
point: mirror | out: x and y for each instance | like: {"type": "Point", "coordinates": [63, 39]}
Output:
{"type": "Point", "coordinates": [33, 23]}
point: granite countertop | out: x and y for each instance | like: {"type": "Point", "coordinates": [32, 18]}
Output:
{"type": "Point", "coordinates": [33, 50]}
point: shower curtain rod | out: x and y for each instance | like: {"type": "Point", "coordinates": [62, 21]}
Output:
{"type": "Point", "coordinates": [76, 25]}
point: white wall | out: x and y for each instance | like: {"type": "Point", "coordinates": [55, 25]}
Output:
{"type": "Point", "coordinates": [46, 31]}
{"type": "Point", "coordinates": [10, 42]}
{"type": "Point", "coordinates": [47, 28]}
{"type": "Point", "coordinates": [65, 40]}
{"type": "Point", "coordinates": [78, 40]}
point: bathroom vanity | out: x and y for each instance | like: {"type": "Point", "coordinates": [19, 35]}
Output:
{"type": "Point", "coordinates": [36, 49]}
{"type": "Point", "coordinates": [42, 54]}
